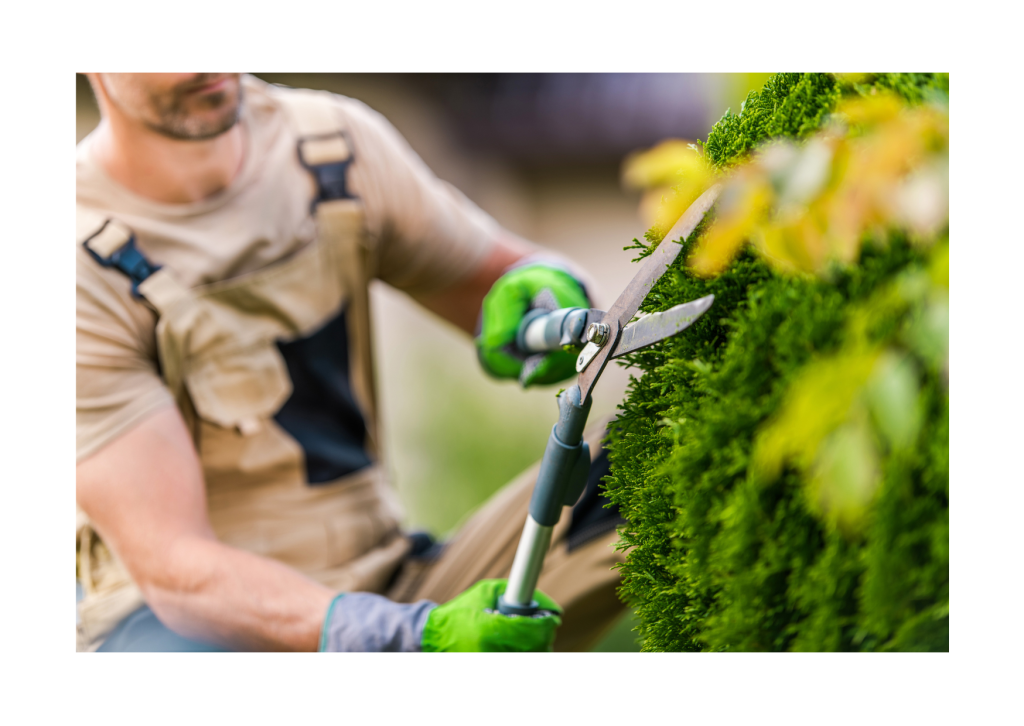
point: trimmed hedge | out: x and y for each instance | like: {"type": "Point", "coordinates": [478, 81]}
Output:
{"type": "Point", "coordinates": [720, 558]}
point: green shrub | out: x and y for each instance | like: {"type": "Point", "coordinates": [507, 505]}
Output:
{"type": "Point", "coordinates": [850, 551]}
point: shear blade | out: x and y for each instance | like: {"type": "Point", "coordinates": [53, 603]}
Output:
{"type": "Point", "coordinates": [657, 326]}
{"type": "Point", "coordinates": [625, 306]}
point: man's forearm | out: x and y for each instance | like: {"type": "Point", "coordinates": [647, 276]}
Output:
{"type": "Point", "coordinates": [460, 304]}
{"type": "Point", "coordinates": [144, 494]}
{"type": "Point", "coordinates": [212, 592]}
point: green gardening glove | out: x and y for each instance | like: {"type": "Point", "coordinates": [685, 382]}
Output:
{"type": "Point", "coordinates": [512, 296]}
{"type": "Point", "coordinates": [471, 623]}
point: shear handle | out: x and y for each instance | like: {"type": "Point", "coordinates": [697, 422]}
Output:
{"type": "Point", "coordinates": [542, 330]}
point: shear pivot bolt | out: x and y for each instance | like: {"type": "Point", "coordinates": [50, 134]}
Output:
{"type": "Point", "coordinates": [597, 333]}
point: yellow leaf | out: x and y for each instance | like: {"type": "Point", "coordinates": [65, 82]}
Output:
{"type": "Point", "coordinates": [793, 247]}
{"type": "Point", "coordinates": [871, 109]}
{"type": "Point", "coordinates": [938, 266]}
{"type": "Point", "coordinates": [665, 164]}
{"type": "Point", "coordinates": [674, 202]}
{"type": "Point", "coordinates": [853, 77]}
{"type": "Point", "coordinates": [741, 210]}
{"type": "Point", "coordinates": [816, 403]}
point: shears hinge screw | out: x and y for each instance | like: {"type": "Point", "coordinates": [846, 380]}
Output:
{"type": "Point", "coordinates": [597, 333]}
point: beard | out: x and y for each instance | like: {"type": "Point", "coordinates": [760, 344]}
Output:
{"type": "Point", "coordinates": [185, 115]}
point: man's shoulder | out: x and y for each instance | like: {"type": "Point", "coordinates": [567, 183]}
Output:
{"type": "Point", "coordinates": [99, 231]}
{"type": "Point", "coordinates": [90, 214]}
{"type": "Point", "coordinates": [349, 112]}
{"type": "Point", "coordinates": [279, 94]}
{"type": "Point", "coordinates": [90, 223]}
{"type": "Point", "coordinates": [89, 220]}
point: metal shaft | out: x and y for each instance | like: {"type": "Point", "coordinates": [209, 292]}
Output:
{"type": "Point", "coordinates": [526, 567]}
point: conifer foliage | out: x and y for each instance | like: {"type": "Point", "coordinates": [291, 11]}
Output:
{"type": "Point", "coordinates": [784, 463]}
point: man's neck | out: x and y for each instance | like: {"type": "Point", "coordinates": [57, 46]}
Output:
{"type": "Point", "coordinates": [167, 170]}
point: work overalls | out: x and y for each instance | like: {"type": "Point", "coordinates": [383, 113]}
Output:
{"type": "Point", "coordinates": [219, 356]}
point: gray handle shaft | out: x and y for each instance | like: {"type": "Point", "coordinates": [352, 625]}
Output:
{"type": "Point", "coordinates": [560, 481]}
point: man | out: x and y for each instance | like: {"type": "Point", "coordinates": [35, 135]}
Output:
{"type": "Point", "coordinates": [228, 484]}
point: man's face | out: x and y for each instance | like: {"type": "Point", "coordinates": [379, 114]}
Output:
{"type": "Point", "coordinates": [188, 106]}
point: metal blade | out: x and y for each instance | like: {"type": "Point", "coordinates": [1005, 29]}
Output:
{"type": "Point", "coordinates": [628, 302]}
{"type": "Point", "coordinates": [625, 307]}
{"type": "Point", "coordinates": [658, 326]}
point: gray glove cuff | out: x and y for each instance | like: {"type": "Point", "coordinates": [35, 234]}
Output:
{"type": "Point", "coordinates": [364, 622]}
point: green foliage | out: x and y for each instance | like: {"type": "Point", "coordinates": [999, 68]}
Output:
{"type": "Point", "coordinates": [795, 105]}
{"type": "Point", "coordinates": [784, 464]}
{"type": "Point", "coordinates": [912, 87]}
{"type": "Point", "coordinates": [790, 104]}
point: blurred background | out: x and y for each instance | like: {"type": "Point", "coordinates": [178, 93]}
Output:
{"type": "Point", "coordinates": [541, 153]}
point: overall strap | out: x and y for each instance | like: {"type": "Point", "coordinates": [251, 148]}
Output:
{"type": "Point", "coordinates": [324, 149]}
{"type": "Point", "coordinates": [112, 244]}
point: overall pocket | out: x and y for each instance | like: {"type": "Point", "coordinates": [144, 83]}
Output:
{"type": "Point", "coordinates": [236, 394]}
{"type": "Point", "coordinates": [237, 388]}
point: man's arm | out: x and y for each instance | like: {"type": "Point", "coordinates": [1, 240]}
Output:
{"type": "Point", "coordinates": [460, 303]}
{"type": "Point", "coordinates": [500, 298]}
{"type": "Point", "coordinates": [433, 242]}
{"type": "Point", "coordinates": [145, 494]}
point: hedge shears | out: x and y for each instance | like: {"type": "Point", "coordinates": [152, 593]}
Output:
{"type": "Point", "coordinates": [603, 335]}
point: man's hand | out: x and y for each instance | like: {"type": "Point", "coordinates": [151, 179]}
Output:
{"type": "Point", "coordinates": [511, 297]}
{"type": "Point", "coordinates": [364, 622]}
{"type": "Point", "coordinates": [471, 623]}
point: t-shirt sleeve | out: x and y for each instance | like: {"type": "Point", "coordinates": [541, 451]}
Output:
{"type": "Point", "coordinates": [429, 235]}
{"type": "Point", "coordinates": [117, 383]}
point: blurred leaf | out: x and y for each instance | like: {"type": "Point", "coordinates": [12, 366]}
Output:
{"type": "Point", "coordinates": [845, 475]}
{"type": "Point", "coordinates": [674, 174]}
{"type": "Point", "coordinates": [816, 403]}
{"type": "Point", "coordinates": [740, 208]}
{"type": "Point", "coordinates": [675, 201]}
{"type": "Point", "coordinates": [892, 394]}
{"type": "Point", "coordinates": [852, 78]}
{"type": "Point", "coordinates": [808, 174]}
{"type": "Point", "coordinates": [795, 246]}
{"type": "Point", "coordinates": [938, 267]}
{"type": "Point", "coordinates": [928, 334]}
{"type": "Point", "coordinates": [872, 110]}
{"type": "Point", "coordinates": [921, 201]}
{"type": "Point", "coordinates": [662, 165]}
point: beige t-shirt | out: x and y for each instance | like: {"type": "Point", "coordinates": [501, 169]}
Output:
{"type": "Point", "coordinates": [428, 236]}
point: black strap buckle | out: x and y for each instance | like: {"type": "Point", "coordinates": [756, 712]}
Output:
{"type": "Point", "coordinates": [330, 177]}
{"type": "Point", "coordinates": [127, 259]}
